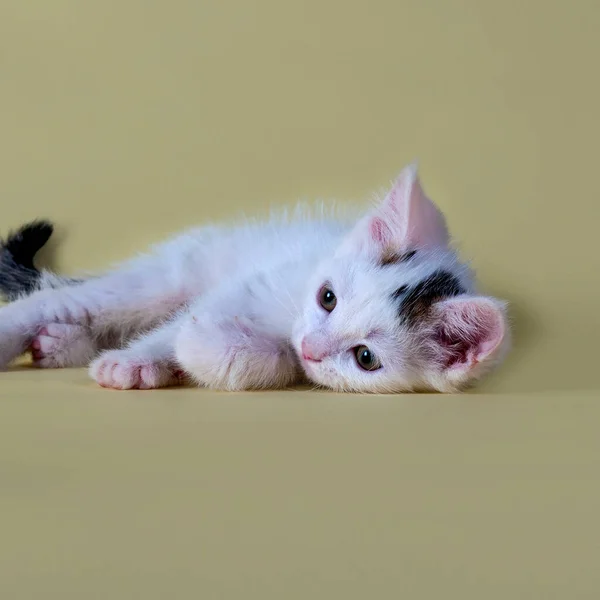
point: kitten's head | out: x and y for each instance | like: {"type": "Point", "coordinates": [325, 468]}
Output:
{"type": "Point", "coordinates": [393, 309]}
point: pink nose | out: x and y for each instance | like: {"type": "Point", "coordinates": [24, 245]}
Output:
{"type": "Point", "coordinates": [310, 352]}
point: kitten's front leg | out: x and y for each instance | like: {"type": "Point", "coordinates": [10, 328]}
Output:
{"type": "Point", "coordinates": [112, 301]}
{"type": "Point", "coordinates": [234, 353]}
{"type": "Point", "coordinates": [146, 363]}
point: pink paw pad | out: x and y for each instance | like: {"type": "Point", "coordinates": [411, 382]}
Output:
{"type": "Point", "coordinates": [44, 343]}
{"type": "Point", "coordinates": [60, 344]}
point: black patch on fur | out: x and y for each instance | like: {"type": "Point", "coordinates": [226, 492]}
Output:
{"type": "Point", "coordinates": [416, 301]}
{"type": "Point", "coordinates": [399, 292]}
{"type": "Point", "coordinates": [18, 274]}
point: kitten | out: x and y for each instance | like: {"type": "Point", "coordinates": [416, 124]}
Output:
{"type": "Point", "coordinates": [379, 304]}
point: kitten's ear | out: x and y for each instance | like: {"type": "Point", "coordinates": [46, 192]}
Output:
{"type": "Point", "coordinates": [406, 219]}
{"type": "Point", "coordinates": [470, 335]}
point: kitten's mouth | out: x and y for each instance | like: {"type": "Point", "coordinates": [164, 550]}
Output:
{"type": "Point", "coordinates": [308, 362]}
{"type": "Point", "coordinates": [310, 359]}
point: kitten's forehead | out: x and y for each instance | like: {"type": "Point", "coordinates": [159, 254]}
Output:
{"type": "Point", "coordinates": [400, 289]}
{"type": "Point", "coordinates": [367, 278]}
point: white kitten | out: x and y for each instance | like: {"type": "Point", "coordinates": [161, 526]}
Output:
{"type": "Point", "coordinates": [378, 305]}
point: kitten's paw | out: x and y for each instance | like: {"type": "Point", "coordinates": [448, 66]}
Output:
{"type": "Point", "coordinates": [234, 355]}
{"type": "Point", "coordinates": [62, 345]}
{"type": "Point", "coordinates": [126, 370]}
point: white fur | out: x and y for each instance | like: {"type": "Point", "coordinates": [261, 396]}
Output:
{"type": "Point", "coordinates": [230, 307]}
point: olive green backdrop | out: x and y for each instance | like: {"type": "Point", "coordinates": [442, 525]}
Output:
{"type": "Point", "coordinates": [124, 121]}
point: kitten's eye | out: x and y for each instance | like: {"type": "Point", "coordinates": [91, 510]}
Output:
{"type": "Point", "coordinates": [366, 359]}
{"type": "Point", "coordinates": [327, 299]}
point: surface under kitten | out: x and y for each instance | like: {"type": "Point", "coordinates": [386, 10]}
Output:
{"type": "Point", "coordinates": [382, 304]}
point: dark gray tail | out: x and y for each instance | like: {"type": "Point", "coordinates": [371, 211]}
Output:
{"type": "Point", "coordinates": [18, 275]}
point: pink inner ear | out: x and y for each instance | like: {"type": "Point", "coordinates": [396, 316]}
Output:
{"type": "Point", "coordinates": [469, 331]}
{"type": "Point", "coordinates": [407, 218]}
{"type": "Point", "coordinates": [380, 232]}
{"type": "Point", "coordinates": [426, 225]}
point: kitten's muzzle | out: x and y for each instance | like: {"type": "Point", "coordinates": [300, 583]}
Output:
{"type": "Point", "coordinates": [313, 351]}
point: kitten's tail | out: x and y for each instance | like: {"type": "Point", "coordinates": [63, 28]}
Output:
{"type": "Point", "coordinates": [18, 274]}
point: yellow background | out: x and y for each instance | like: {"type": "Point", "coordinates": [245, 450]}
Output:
{"type": "Point", "coordinates": [124, 121]}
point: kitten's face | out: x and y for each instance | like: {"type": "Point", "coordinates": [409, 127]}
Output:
{"type": "Point", "coordinates": [364, 324]}
{"type": "Point", "coordinates": [393, 309]}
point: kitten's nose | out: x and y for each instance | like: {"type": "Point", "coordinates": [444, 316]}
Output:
{"type": "Point", "coordinates": [311, 352]}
